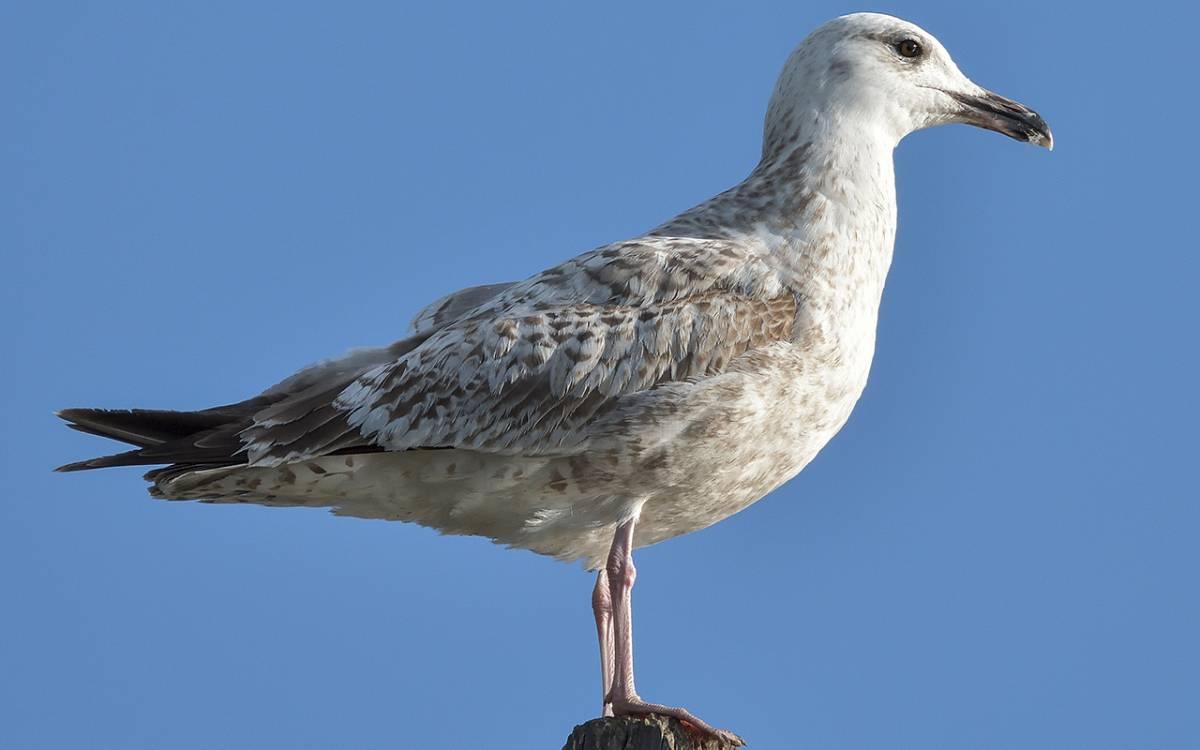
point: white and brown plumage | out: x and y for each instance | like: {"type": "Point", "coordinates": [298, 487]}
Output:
{"type": "Point", "coordinates": [640, 391]}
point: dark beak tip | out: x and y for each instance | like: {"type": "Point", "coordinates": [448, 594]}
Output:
{"type": "Point", "coordinates": [1042, 136]}
{"type": "Point", "coordinates": [1039, 133]}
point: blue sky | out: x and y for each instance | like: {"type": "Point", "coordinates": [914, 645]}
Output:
{"type": "Point", "coordinates": [998, 551]}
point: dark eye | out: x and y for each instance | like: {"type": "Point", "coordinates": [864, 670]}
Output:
{"type": "Point", "coordinates": [909, 48]}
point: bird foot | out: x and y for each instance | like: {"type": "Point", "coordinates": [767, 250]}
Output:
{"type": "Point", "coordinates": [635, 706]}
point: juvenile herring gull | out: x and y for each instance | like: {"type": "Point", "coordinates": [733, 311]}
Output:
{"type": "Point", "coordinates": [639, 391]}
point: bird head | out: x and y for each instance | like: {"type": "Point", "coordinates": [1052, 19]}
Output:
{"type": "Point", "coordinates": [879, 71]}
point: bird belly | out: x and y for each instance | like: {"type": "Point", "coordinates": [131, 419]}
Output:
{"type": "Point", "coordinates": [561, 506]}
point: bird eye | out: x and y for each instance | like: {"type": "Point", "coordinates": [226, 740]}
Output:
{"type": "Point", "coordinates": [909, 48]}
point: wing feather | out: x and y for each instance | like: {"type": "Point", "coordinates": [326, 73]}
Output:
{"type": "Point", "coordinates": [524, 370]}
{"type": "Point", "coordinates": [440, 313]}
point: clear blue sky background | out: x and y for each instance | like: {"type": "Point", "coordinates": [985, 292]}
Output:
{"type": "Point", "coordinates": [999, 550]}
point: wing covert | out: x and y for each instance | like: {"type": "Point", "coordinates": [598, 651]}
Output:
{"type": "Point", "coordinates": [521, 372]}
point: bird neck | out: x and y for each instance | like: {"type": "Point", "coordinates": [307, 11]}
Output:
{"type": "Point", "coordinates": [820, 207]}
{"type": "Point", "coordinates": [834, 214]}
{"type": "Point", "coordinates": [821, 213]}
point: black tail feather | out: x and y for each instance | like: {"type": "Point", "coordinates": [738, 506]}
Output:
{"type": "Point", "coordinates": [161, 437]}
{"type": "Point", "coordinates": [143, 427]}
{"type": "Point", "coordinates": [207, 438]}
{"type": "Point", "coordinates": [128, 458]}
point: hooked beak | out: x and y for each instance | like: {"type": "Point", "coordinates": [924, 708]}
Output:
{"type": "Point", "coordinates": [995, 112]}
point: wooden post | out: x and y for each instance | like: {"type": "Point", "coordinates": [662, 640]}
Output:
{"type": "Point", "coordinates": [640, 733]}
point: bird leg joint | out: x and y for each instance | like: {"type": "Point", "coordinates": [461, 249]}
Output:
{"type": "Point", "coordinates": [621, 571]}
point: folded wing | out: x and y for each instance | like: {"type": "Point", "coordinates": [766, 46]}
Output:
{"type": "Point", "coordinates": [525, 372]}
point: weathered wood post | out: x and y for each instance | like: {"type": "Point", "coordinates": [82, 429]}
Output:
{"type": "Point", "coordinates": [640, 733]}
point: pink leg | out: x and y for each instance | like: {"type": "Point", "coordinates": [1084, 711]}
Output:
{"type": "Point", "coordinates": [624, 698]}
{"type": "Point", "coordinates": [602, 608]}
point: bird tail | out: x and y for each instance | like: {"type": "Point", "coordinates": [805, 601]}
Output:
{"type": "Point", "coordinates": [158, 434]}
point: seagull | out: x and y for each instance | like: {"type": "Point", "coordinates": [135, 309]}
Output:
{"type": "Point", "coordinates": [642, 390]}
